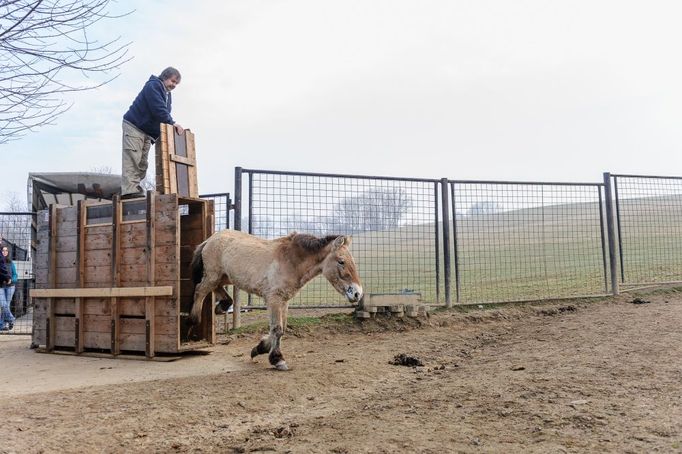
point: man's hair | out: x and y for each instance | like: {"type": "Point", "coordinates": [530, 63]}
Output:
{"type": "Point", "coordinates": [169, 72]}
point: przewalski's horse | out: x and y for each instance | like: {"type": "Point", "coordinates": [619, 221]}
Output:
{"type": "Point", "coordinates": [275, 270]}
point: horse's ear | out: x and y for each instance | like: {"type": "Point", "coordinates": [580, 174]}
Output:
{"type": "Point", "coordinates": [341, 240]}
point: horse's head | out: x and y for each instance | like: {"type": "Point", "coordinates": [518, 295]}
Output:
{"type": "Point", "coordinates": [340, 270]}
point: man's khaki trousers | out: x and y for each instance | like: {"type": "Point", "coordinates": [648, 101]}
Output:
{"type": "Point", "coordinates": [136, 145]}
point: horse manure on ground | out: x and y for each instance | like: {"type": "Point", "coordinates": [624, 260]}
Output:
{"type": "Point", "coordinates": [404, 360]}
{"type": "Point", "coordinates": [639, 301]}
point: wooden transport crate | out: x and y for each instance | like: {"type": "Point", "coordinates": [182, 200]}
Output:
{"type": "Point", "coordinates": [113, 277]}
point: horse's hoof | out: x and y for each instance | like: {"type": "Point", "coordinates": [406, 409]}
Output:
{"type": "Point", "coordinates": [282, 365]}
{"type": "Point", "coordinates": [254, 352]}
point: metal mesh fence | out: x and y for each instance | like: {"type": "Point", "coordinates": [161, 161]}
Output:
{"type": "Point", "coordinates": [16, 316]}
{"type": "Point", "coordinates": [222, 204]}
{"type": "Point", "coordinates": [523, 241]}
{"type": "Point", "coordinates": [392, 222]}
{"type": "Point", "coordinates": [649, 228]}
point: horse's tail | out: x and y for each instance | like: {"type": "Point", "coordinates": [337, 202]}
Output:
{"type": "Point", "coordinates": [197, 264]}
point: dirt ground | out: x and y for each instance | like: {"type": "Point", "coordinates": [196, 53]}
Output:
{"type": "Point", "coordinates": [602, 376]}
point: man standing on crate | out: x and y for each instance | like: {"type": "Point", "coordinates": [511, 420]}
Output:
{"type": "Point", "coordinates": [142, 127]}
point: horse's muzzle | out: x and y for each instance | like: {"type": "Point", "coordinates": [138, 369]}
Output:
{"type": "Point", "coordinates": [354, 293]}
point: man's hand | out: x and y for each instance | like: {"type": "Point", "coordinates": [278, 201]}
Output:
{"type": "Point", "coordinates": [179, 129]}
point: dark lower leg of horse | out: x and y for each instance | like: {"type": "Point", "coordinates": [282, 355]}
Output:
{"type": "Point", "coordinates": [276, 358]}
{"type": "Point", "coordinates": [225, 300]}
{"type": "Point", "coordinates": [262, 347]}
{"type": "Point", "coordinates": [223, 305]}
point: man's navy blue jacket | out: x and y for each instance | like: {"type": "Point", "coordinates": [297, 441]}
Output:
{"type": "Point", "coordinates": [151, 107]}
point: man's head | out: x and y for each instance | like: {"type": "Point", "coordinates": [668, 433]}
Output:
{"type": "Point", "coordinates": [170, 77]}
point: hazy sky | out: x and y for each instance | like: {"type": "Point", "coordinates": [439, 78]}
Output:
{"type": "Point", "coordinates": [513, 90]}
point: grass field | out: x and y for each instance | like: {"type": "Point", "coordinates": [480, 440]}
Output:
{"type": "Point", "coordinates": [537, 253]}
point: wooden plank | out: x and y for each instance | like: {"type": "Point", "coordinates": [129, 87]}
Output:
{"type": "Point", "coordinates": [172, 172]}
{"type": "Point", "coordinates": [66, 277]}
{"type": "Point", "coordinates": [193, 237]}
{"type": "Point", "coordinates": [149, 313]}
{"type": "Point", "coordinates": [78, 328]}
{"type": "Point", "coordinates": [51, 274]}
{"type": "Point", "coordinates": [162, 160]}
{"type": "Point", "coordinates": [98, 259]}
{"type": "Point", "coordinates": [392, 299]}
{"type": "Point", "coordinates": [67, 259]}
{"type": "Point", "coordinates": [113, 292]}
{"type": "Point", "coordinates": [97, 306]}
{"type": "Point", "coordinates": [183, 160]}
{"type": "Point", "coordinates": [66, 243]}
{"type": "Point", "coordinates": [65, 331]}
{"type": "Point", "coordinates": [115, 341]}
{"type": "Point", "coordinates": [66, 214]}
{"type": "Point", "coordinates": [167, 235]}
{"type": "Point", "coordinates": [67, 228]}
{"type": "Point", "coordinates": [64, 305]}
{"type": "Point", "coordinates": [209, 218]}
{"type": "Point", "coordinates": [98, 241]}
{"type": "Point", "coordinates": [80, 253]}
{"type": "Point", "coordinates": [191, 154]}
{"type": "Point", "coordinates": [97, 340]}
{"type": "Point", "coordinates": [97, 276]}
{"type": "Point", "coordinates": [100, 324]}
{"type": "Point", "coordinates": [165, 306]}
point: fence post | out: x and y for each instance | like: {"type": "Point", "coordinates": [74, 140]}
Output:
{"type": "Point", "coordinates": [236, 304]}
{"type": "Point", "coordinates": [611, 233]}
{"type": "Point", "coordinates": [446, 240]}
{"type": "Point", "coordinates": [237, 198]}
{"type": "Point", "coordinates": [228, 207]}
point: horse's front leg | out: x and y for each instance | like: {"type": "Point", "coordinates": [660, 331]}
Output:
{"type": "Point", "coordinates": [277, 311]}
{"type": "Point", "coordinates": [271, 343]}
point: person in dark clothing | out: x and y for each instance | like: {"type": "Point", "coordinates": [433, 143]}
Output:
{"type": "Point", "coordinates": [7, 290]}
{"type": "Point", "coordinates": [5, 280]}
{"type": "Point", "coordinates": [142, 127]}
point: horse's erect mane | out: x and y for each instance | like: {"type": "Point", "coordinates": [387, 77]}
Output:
{"type": "Point", "coordinates": [312, 243]}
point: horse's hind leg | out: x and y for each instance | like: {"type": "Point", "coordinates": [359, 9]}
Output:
{"type": "Point", "coordinates": [225, 301]}
{"type": "Point", "coordinates": [202, 289]}
{"type": "Point", "coordinates": [262, 347]}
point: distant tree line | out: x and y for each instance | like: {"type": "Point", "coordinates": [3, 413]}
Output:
{"type": "Point", "coordinates": [374, 210]}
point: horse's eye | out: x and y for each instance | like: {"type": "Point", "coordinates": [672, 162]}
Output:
{"type": "Point", "coordinates": [341, 262]}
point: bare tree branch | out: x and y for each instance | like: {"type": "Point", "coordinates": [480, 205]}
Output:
{"type": "Point", "coordinates": [44, 46]}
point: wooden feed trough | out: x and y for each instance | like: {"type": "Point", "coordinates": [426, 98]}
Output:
{"type": "Point", "coordinates": [395, 304]}
{"type": "Point", "coordinates": [113, 277]}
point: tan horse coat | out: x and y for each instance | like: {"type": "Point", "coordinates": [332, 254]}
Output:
{"type": "Point", "coordinates": [275, 270]}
